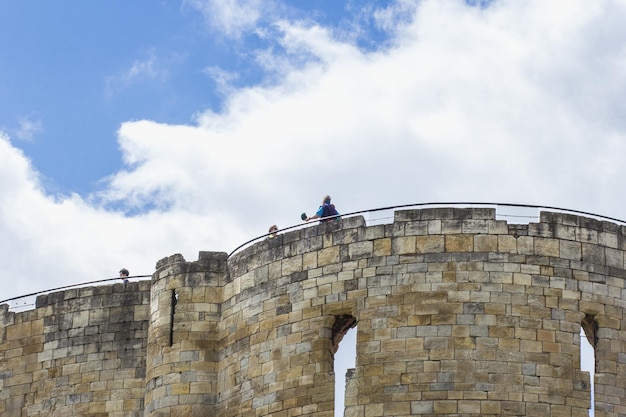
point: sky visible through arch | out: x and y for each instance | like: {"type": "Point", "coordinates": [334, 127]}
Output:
{"type": "Point", "coordinates": [130, 131]}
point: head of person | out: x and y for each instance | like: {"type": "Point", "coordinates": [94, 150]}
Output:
{"type": "Point", "coordinates": [326, 200]}
{"type": "Point", "coordinates": [124, 272]}
{"type": "Point", "coordinates": [273, 229]}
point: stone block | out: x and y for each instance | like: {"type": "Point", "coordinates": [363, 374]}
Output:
{"type": "Point", "coordinates": [486, 243]}
{"type": "Point", "coordinates": [459, 243]}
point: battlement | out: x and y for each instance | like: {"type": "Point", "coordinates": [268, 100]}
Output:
{"type": "Point", "coordinates": [459, 314]}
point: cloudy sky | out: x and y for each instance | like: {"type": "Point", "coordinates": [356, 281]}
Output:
{"type": "Point", "coordinates": [130, 131]}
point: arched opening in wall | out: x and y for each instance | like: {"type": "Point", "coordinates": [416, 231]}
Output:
{"type": "Point", "coordinates": [588, 346]}
{"type": "Point", "coordinates": [344, 356]}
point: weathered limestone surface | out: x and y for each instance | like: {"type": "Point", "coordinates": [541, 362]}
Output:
{"type": "Point", "coordinates": [81, 352]}
{"type": "Point", "coordinates": [459, 314]}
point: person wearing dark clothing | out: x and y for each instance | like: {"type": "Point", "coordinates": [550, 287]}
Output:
{"type": "Point", "coordinates": [124, 275]}
{"type": "Point", "coordinates": [326, 212]}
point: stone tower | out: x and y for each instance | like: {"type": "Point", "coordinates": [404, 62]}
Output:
{"type": "Point", "coordinates": [458, 313]}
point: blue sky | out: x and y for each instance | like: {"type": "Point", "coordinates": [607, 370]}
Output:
{"type": "Point", "coordinates": [133, 130]}
{"type": "Point", "coordinates": [74, 71]}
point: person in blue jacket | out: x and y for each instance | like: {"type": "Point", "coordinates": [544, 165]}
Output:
{"type": "Point", "coordinates": [325, 212]}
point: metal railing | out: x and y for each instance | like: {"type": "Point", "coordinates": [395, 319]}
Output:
{"type": "Point", "coordinates": [355, 213]}
{"type": "Point", "coordinates": [440, 204]}
{"type": "Point", "coordinates": [65, 287]}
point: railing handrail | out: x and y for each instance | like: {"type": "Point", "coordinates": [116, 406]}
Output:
{"type": "Point", "coordinates": [401, 206]}
{"type": "Point", "coordinates": [299, 225]}
{"type": "Point", "coordinates": [70, 286]}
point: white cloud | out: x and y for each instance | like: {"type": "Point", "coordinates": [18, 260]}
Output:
{"type": "Point", "coordinates": [466, 95]}
{"type": "Point", "coordinates": [232, 17]}
{"type": "Point", "coordinates": [223, 79]}
{"type": "Point", "coordinates": [394, 15]}
{"type": "Point", "coordinates": [518, 102]}
{"type": "Point", "coordinates": [28, 128]}
{"type": "Point", "coordinates": [469, 104]}
{"type": "Point", "coordinates": [49, 242]}
{"type": "Point", "coordinates": [148, 67]}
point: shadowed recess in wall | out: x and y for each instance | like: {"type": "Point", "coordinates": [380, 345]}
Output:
{"type": "Point", "coordinates": [342, 324]}
{"type": "Point", "coordinates": [590, 327]}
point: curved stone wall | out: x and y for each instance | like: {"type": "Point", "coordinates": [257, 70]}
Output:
{"type": "Point", "coordinates": [182, 355]}
{"type": "Point", "coordinates": [459, 314]}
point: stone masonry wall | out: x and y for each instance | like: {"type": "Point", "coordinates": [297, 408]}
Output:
{"type": "Point", "coordinates": [81, 352]}
{"type": "Point", "coordinates": [458, 314]}
{"type": "Point", "coordinates": [182, 360]}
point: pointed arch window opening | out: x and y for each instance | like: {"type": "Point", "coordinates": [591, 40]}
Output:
{"type": "Point", "coordinates": [588, 350]}
{"type": "Point", "coordinates": [344, 357]}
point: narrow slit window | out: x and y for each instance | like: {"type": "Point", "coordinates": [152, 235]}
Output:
{"type": "Point", "coordinates": [172, 312]}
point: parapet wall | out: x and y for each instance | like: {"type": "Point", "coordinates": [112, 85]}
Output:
{"type": "Point", "coordinates": [80, 352]}
{"type": "Point", "coordinates": [459, 314]}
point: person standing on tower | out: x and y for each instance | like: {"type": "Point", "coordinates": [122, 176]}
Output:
{"type": "Point", "coordinates": [326, 212]}
{"type": "Point", "coordinates": [124, 275]}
